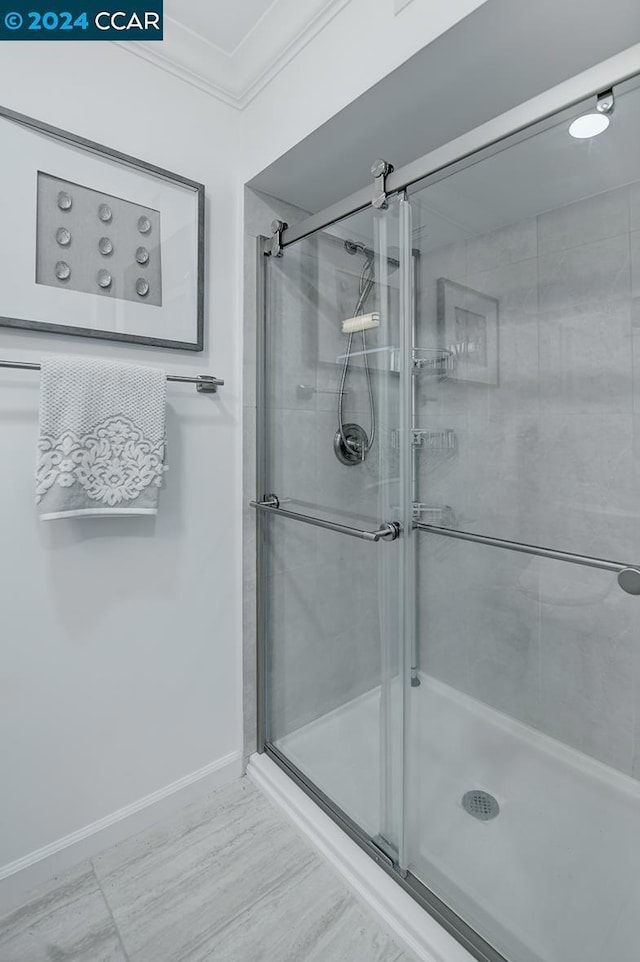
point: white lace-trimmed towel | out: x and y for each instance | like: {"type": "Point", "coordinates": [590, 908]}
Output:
{"type": "Point", "coordinates": [102, 438]}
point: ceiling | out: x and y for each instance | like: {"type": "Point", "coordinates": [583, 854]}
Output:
{"type": "Point", "coordinates": [233, 50]}
{"type": "Point", "coordinates": [218, 21]}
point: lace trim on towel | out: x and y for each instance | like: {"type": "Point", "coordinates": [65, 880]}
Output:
{"type": "Point", "coordinates": [113, 463]}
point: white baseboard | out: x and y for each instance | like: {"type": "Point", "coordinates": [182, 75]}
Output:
{"type": "Point", "coordinates": [20, 877]}
{"type": "Point", "coordinates": [418, 932]}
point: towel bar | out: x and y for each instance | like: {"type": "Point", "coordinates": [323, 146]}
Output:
{"type": "Point", "coordinates": [205, 383]}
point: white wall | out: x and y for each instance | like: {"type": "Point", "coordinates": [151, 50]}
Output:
{"type": "Point", "coordinates": [360, 46]}
{"type": "Point", "coordinates": [120, 668]}
{"type": "Point", "coordinates": [120, 662]}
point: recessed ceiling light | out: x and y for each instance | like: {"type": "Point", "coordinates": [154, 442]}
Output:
{"type": "Point", "coordinates": [593, 123]}
{"type": "Point", "coordinates": [589, 125]}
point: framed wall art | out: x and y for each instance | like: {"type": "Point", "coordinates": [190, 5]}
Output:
{"type": "Point", "coordinates": [468, 328]}
{"type": "Point", "coordinates": [95, 243]}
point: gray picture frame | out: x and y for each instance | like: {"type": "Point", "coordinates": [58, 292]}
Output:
{"type": "Point", "coordinates": [469, 331]}
{"type": "Point", "coordinates": [74, 141]}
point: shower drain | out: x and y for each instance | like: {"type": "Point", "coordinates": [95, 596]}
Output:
{"type": "Point", "coordinates": [481, 805]}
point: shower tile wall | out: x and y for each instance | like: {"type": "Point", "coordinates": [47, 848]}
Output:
{"type": "Point", "coordinates": [550, 456]}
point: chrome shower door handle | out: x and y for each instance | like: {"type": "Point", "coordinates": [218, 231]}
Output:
{"type": "Point", "coordinates": [388, 531]}
{"type": "Point", "coordinates": [629, 580]}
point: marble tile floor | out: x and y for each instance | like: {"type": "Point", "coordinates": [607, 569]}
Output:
{"type": "Point", "coordinates": [229, 879]}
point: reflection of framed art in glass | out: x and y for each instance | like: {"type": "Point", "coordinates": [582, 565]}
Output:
{"type": "Point", "coordinates": [335, 275]}
{"type": "Point", "coordinates": [96, 243]}
{"type": "Point", "coordinates": [468, 327]}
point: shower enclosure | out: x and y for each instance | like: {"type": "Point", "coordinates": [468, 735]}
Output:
{"type": "Point", "coordinates": [448, 514]}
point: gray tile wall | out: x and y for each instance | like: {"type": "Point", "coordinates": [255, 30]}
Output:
{"type": "Point", "coordinates": [548, 457]}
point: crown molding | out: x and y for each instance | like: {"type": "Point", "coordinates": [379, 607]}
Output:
{"type": "Point", "coordinates": [236, 78]}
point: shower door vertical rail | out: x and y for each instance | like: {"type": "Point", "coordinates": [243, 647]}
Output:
{"type": "Point", "coordinates": [398, 653]}
{"type": "Point", "coordinates": [386, 224]}
{"type": "Point", "coordinates": [387, 834]}
{"type": "Point", "coordinates": [261, 521]}
{"type": "Point", "coordinates": [408, 641]}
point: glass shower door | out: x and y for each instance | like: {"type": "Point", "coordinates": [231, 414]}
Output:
{"type": "Point", "coordinates": [524, 796]}
{"type": "Point", "coordinates": [333, 570]}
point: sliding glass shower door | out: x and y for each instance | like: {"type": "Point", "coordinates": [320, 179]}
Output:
{"type": "Point", "coordinates": [524, 798]}
{"type": "Point", "coordinates": [449, 535]}
{"type": "Point", "coordinates": [332, 488]}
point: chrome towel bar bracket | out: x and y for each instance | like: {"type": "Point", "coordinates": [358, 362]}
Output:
{"type": "Point", "coordinates": [205, 383]}
{"type": "Point", "coordinates": [389, 531]}
{"type": "Point", "coordinates": [628, 575]}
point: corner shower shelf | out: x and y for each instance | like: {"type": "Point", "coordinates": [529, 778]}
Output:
{"type": "Point", "coordinates": [443, 443]}
{"type": "Point", "coordinates": [439, 515]}
{"type": "Point", "coordinates": [437, 363]}
{"type": "Point", "coordinates": [440, 442]}
{"type": "Point", "coordinates": [433, 362]}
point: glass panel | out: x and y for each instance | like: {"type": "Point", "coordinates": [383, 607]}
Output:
{"type": "Point", "coordinates": [529, 281]}
{"type": "Point", "coordinates": [334, 628]}
{"type": "Point", "coordinates": [527, 419]}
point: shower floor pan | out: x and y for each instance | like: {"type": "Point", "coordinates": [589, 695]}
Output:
{"type": "Point", "coordinates": [552, 878]}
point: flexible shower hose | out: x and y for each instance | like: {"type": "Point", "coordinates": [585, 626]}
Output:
{"type": "Point", "coordinates": [367, 281]}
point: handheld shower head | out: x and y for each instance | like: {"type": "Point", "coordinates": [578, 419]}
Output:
{"type": "Point", "coordinates": [352, 247]}
{"type": "Point", "coordinates": [351, 444]}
